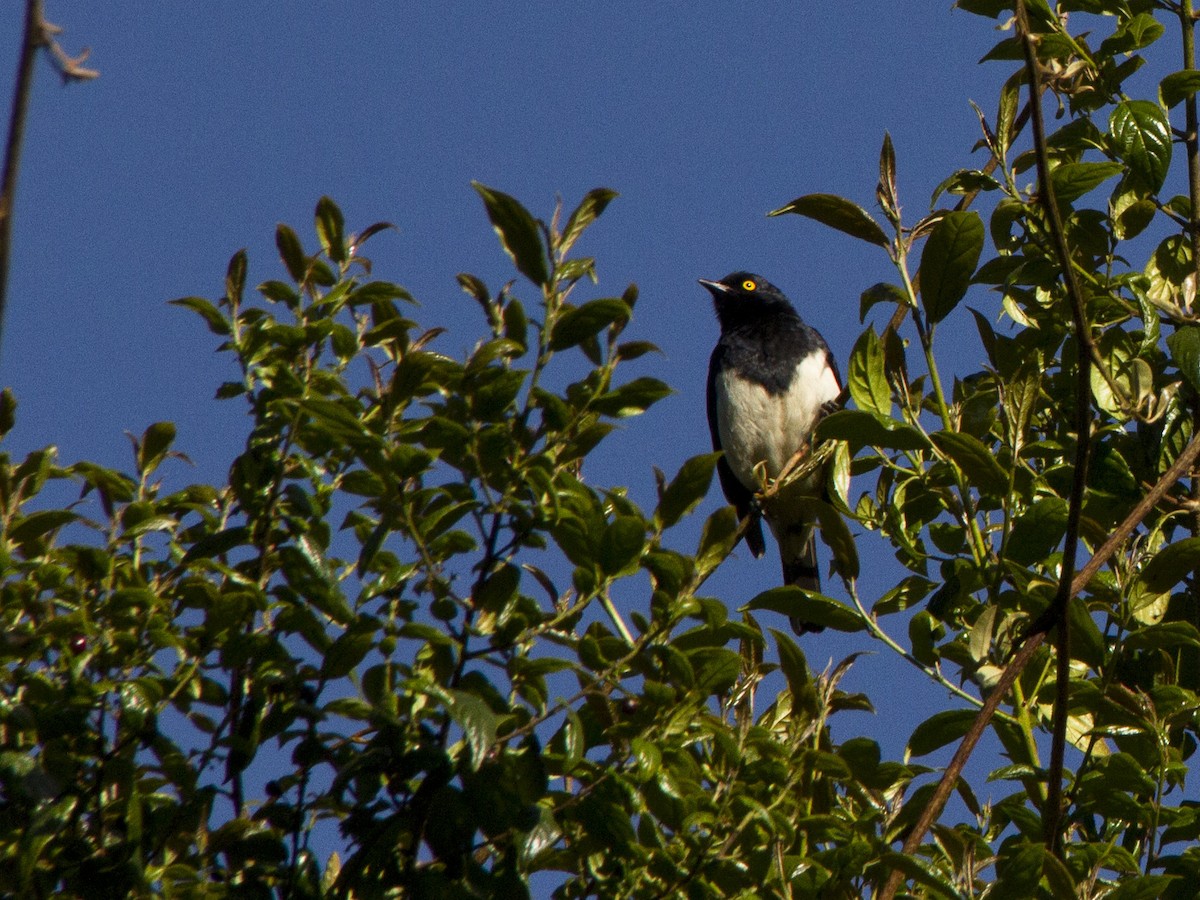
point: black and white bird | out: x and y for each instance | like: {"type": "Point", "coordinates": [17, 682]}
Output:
{"type": "Point", "coordinates": [770, 380]}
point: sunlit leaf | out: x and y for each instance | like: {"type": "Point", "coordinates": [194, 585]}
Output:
{"type": "Point", "coordinates": [573, 326]}
{"type": "Point", "coordinates": [1184, 343]}
{"type": "Point", "coordinates": [331, 229]}
{"type": "Point", "coordinates": [939, 730]}
{"type": "Point", "coordinates": [837, 212]}
{"type": "Point", "coordinates": [686, 489]}
{"type": "Point", "coordinates": [948, 261]}
{"type": "Point", "coordinates": [975, 460]}
{"type": "Point", "coordinates": [1072, 180]}
{"type": "Point", "coordinates": [589, 209]}
{"type": "Point", "coordinates": [519, 233]}
{"type": "Point", "coordinates": [1141, 136]}
{"type": "Point", "coordinates": [217, 323]}
{"type": "Point", "coordinates": [478, 722]}
{"type": "Point", "coordinates": [866, 377]}
{"type": "Point", "coordinates": [864, 429]}
{"type": "Point", "coordinates": [1178, 86]}
{"type": "Point", "coordinates": [807, 606]}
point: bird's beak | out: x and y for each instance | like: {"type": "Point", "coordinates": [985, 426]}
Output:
{"type": "Point", "coordinates": [715, 287]}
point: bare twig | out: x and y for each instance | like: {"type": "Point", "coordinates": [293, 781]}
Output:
{"type": "Point", "coordinates": [33, 38]}
{"type": "Point", "coordinates": [38, 33]}
{"type": "Point", "coordinates": [69, 67]}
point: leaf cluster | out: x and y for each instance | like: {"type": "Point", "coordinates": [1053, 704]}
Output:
{"type": "Point", "coordinates": [395, 629]}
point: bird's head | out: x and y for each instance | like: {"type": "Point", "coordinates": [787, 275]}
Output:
{"type": "Point", "coordinates": [744, 294]}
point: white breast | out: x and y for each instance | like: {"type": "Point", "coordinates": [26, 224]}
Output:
{"type": "Point", "coordinates": [769, 428]}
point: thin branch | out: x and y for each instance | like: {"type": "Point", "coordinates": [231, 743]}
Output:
{"type": "Point", "coordinates": [1085, 351]}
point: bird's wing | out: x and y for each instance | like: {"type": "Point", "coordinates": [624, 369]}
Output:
{"type": "Point", "coordinates": [735, 492]}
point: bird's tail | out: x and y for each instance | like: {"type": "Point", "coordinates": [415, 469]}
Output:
{"type": "Point", "coordinates": [798, 551]}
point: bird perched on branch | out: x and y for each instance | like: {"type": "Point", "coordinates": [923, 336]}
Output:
{"type": "Point", "coordinates": [771, 378]}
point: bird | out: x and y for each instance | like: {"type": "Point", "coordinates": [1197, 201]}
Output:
{"type": "Point", "coordinates": [771, 378]}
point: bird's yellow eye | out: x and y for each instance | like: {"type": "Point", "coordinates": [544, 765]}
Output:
{"type": "Point", "coordinates": [748, 285]}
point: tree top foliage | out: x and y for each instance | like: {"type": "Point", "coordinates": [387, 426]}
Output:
{"type": "Point", "coordinates": [393, 626]}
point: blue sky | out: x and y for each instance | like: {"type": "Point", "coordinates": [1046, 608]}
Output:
{"type": "Point", "coordinates": [210, 123]}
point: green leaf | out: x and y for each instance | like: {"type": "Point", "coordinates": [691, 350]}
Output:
{"type": "Point", "coordinates": [378, 292]}
{"type": "Point", "coordinates": [716, 540]}
{"type": "Point", "coordinates": [1074, 179]}
{"type": "Point", "coordinates": [1164, 636]}
{"type": "Point", "coordinates": [235, 277]}
{"type": "Point", "coordinates": [634, 349]}
{"type": "Point", "coordinates": [331, 230]}
{"type": "Point", "coordinates": [1132, 34]}
{"type": "Point", "coordinates": [153, 447]}
{"type": "Point", "coordinates": [1171, 564]}
{"type": "Point", "coordinates": [964, 181]}
{"type": "Point", "coordinates": [1142, 887]}
{"type": "Point", "coordinates": [686, 489]}
{"type": "Point", "coordinates": [1087, 643]}
{"type": "Point", "coordinates": [1037, 531]}
{"type": "Point", "coordinates": [221, 542]}
{"type": "Point", "coordinates": [516, 324]}
{"type": "Point", "coordinates": [647, 757]}
{"type": "Point", "coordinates": [866, 378]}
{"type": "Point", "coordinates": [478, 723]}
{"type": "Point", "coordinates": [518, 231]}
{"type": "Point", "coordinates": [346, 652]}
{"type": "Point", "coordinates": [837, 212]}
{"type": "Point", "coordinates": [795, 669]}
{"type": "Point", "coordinates": [498, 589]}
{"type": "Point", "coordinates": [989, 8]}
{"type": "Point", "coordinates": [880, 293]}
{"type": "Point", "coordinates": [1178, 86]}
{"type": "Point", "coordinates": [631, 399]}
{"type": "Point", "coordinates": [574, 326]}
{"type": "Point", "coordinates": [914, 867]}
{"type": "Point", "coordinates": [8, 411]}
{"type": "Point", "coordinates": [1130, 210]}
{"type": "Point", "coordinates": [1019, 871]}
{"type": "Point", "coordinates": [948, 261]}
{"type": "Point", "coordinates": [1184, 344]}
{"type": "Point", "coordinates": [291, 252]}
{"type": "Point", "coordinates": [864, 429]}
{"type": "Point", "coordinates": [39, 524]}
{"type": "Point", "coordinates": [716, 668]}
{"type": "Point", "coordinates": [837, 537]}
{"type": "Point", "coordinates": [589, 209]}
{"type": "Point", "coordinates": [621, 544]}
{"type": "Point", "coordinates": [885, 190]}
{"type": "Point", "coordinates": [939, 730]}
{"type": "Point", "coordinates": [807, 606]}
{"type": "Point", "coordinates": [216, 322]}
{"type": "Point", "coordinates": [1141, 135]}
{"type": "Point", "coordinates": [975, 460]}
